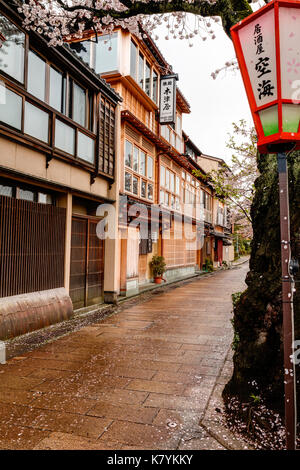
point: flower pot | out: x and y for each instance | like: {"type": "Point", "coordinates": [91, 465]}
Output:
{"type": "Point", "coordinates": [158, 280]}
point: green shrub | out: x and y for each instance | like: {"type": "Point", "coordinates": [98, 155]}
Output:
{"type": "Point", "coordinates": [158, 265]}
{"type": "Point", "coordinates": [208, 265]}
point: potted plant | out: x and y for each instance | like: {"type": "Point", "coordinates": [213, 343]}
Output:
{"type": "Point", "coordinates": [158, 266]}
{"type": "Point", "coordinates": [208, 265]}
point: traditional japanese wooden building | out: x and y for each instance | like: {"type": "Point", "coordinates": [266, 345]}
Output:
{"type": "Point", "coordinates": [155, 167]}
{"type": "Point", "coordinates": [58, 162]}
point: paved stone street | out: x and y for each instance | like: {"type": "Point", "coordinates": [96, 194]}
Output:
{"type": "Point", "coordinates": [143, 378]}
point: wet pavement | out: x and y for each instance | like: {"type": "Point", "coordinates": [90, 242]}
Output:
{"type": "Point", "coordinates": [148, 377]}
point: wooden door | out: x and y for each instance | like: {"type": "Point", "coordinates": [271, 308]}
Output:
{"type": "Point", "coordinates": [87, 263]}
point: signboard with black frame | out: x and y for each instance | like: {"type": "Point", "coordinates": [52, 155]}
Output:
{"type": "Point", "coordinates": [167, 104]}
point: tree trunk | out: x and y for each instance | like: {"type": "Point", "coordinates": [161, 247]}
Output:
{"type": "Point", "coordinates": [258, 358]}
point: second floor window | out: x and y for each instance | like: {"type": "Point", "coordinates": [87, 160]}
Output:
{"type": "Point", "coordinates": [12, 51]}
{"type": "Point", "coordinates": [143, 73]}
{"type": "Point", "coordinates": [139, 172]}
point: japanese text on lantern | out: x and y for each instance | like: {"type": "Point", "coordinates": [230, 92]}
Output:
{"type": "Point", "coordinates": [262, 65]}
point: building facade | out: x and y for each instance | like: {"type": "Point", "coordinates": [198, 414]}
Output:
{"type": "Point", "coordinates": [58, 127]}
{"type": "Point", "coordinates": [79, 128]}
{"type": "Point", "coordinates": [155, 168]}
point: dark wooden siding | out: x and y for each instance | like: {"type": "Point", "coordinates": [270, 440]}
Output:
{"type": "Point", "coordinates": [32, 246]}
{"type": "Point", "coordinates": [106, 137]}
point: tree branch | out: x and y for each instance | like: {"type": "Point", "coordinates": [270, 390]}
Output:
{"type": "Point", "coordinates": [230, 11]}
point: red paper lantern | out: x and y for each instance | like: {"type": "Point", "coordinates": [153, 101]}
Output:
{"type": "Point", "coordinates": [267, 45]}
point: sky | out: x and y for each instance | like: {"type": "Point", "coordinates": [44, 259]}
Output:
{"type": "Point", "coordinates": [215, 104]}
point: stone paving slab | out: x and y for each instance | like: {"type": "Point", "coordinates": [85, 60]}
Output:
{"type": "Point", "coordinates": [148, 377]}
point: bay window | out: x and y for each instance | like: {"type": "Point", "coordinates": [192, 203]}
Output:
{"type": "Point", "coordinates": [139, 165]}
{"type": "Point", "coordinates": [170, 188]}
{"type": "Point", "coordinates": [143, 73]}
{"type": "Point", "coordinates": [12, 52]}
{"type": "Point", "coordinates": [60, 111]}
{"type": "Point", "coordinates": [173, 133]}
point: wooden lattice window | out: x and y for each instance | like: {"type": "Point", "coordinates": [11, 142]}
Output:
{"type": "Point", "coordinates": [106, 136]}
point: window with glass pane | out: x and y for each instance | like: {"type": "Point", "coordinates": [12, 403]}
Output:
{"type": "Point", "coordinates": [82, 49]}
{"type": "Point", "coordinates": [128, 182]}
{"type": "Point", "coordinates": [167, 179]}
{"type": "Point", "coordinates": [106, 53]}
{"type": "Point", "coordinates": [154, 86]}
{"type": "Point", "coordinates": [161, 196]}
{"type": "Point", "coordinates": [167, 134]}
{"type": "Point", "coordinates": [133, 59]}
{"type": "Point", "coordinates": [135, 185]}
{"type": "Point", "coordinates": [143, 163]}
{"type": "Point", "coordinates": [11, 108]}
{"type": "Point", "coordinates": [44, 198]}
{"type": "Point", "coordinates": [26, 195]}
{"type": "Point", "coordinates": [128, 154]}
{"type": "Point", "coordinates": [178, 124]}
{"type": "Point", "coordinates": [162, 175]}
{"type": "Point", "coordinates": [79, 104]}
{"type": "Point", "coordinates": [56, 90]}
{"type": "Point", "coordinates": [147, 79]}
{"type": "Point", "coordinates": [141, 71]}
{"type": "Point", "coordinates": [177, 203]}
{"type": "Point", "coordinates": [6, 190]}
{"type": "Point", "coordinates": [36, 76]}
{"type": "Point", "coordinates": [135, 159]}
{"type": "Point", "coordinates": [172, 182]}
{"type": "Point", "coordinates": [150, 167]}
{"type": "Point", "coordinates": [177, 185]}
{"type": "Point", "coordinates": [143, 188]}
{"type": "Point", "coordinates": [150, 191]}
{"type": "Point", "coordinates": [12, 50]}
{"type": "Point", "coordinates": [64, 137]}
{"type": "Point", "coordinates": [172, 142]}
{"type": "Point", "coordinates": [36, 122]}
{"type": "Point", "coordinates": [86, 148]}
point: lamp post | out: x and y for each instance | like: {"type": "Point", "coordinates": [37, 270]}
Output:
{"type": "Point", "coordinates": [267, 45]}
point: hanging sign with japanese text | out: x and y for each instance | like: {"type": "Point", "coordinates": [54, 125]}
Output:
{"type": "Point", "coordinates": [167, 109]}
{"type": "Point", "coordinates": [258, 45]}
